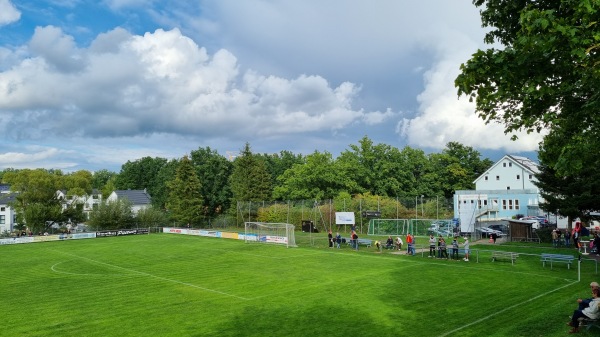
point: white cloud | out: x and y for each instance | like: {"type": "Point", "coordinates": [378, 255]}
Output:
{"type": "Point", "coordinates": [443, 117]}
{"type": "Point", "coordinates": [8, 13]}
{"type": "Point", "coordinates": [162, 82]}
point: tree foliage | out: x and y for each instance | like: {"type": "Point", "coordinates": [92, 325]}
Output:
{"type": "Point", "coordinates": [112, 215]}
{"type": "Point", "coordinates": [214, 171]}
{"type": "Point", "coordinates": [546, 75]}
{"type": "Point", "coordinates": [250, 180]}
{"type": "Point", "coordinates": [185, 202]}
{"type": "Point", "coordinates": [37, 204]}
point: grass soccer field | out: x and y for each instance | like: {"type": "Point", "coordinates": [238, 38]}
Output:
{"type": "Point", "coordinates": [175, 285]}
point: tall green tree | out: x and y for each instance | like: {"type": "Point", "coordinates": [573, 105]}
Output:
{"type": "Point", "coordinates": [319, 178]}
{"type": "Point", "coordinates": [213, 170]}
{"type": "Point", "coordinates": [250, 180]}
{"type": "Point", "coordinates": [185, 203]}
{"type": "Point", "coordinates": [545, 76]}
{"type": "Point", "coordinates": [36, 204]}
{"type": "Point", "coordinates": [101, 178]}
{"type": "Point", "coordinates": [160, 189]}
{"type": "Point", "coordinates": [373, 167]}
{"type": "Point", "coordinates": [573, 195]}
{"type": "Point", "coordinates": [278, 163]}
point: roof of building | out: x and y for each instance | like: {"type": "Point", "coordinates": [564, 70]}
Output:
{"type": "Point", "coordinates": [4, 188]}
{"type": "Point", "coordinates": [525, 162]}
{"type": "Point", "coordinates": [137, 197]}
{"type": "Point", "coordinates": [5, 198]}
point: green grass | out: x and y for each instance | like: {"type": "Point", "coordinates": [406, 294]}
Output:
{"type": "Point", "coordinates": [175, 285]}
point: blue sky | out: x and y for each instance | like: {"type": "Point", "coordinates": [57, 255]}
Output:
{"type": "Point", "coordinates": [93, 84]}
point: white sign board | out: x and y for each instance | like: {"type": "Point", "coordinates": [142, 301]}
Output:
{"type": "Point", "coordinates": [344, 218]}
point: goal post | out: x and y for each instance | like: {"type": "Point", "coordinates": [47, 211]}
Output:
{"type": "Point", "coordinates": [268, 232]}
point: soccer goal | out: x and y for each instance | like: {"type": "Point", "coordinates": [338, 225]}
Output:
{"type": "Point", "coordinates": [266, 232]}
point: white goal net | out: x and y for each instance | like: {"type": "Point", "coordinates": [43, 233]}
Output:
{"type": "Point", "coordinates": [266, 232]}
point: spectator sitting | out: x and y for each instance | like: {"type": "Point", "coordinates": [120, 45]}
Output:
{"type": "Point", "coordinates": [585, 303]}
{"type": "Point", "coordinates": [389, 244]}
{"type": "Point", "coordinates": [591, 312]}
{"type": "Point", "coordinates": [399, 243]}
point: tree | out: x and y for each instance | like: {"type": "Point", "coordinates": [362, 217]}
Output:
{"type": "Point", "coordinates": [36, 202]}
{"type": "Point", "coordinates": [278, 163]}
{"type": "Point", "coordinates": [573, 195]}
{"type": "Point", "coordinates": [319, 178]}
{"type": "Point", "coordinates": [545, 77]}
{"type": "Point", "coordinates": [112, 215]}
{"type": "Point", "coordinates": [150, 217]}
{"type": "Point", "coordinates": [249, 180]}
{"type": "Point", "coordinates": [213, 170]}
{"type": "Point", "coordinates": [161, 182]}
{"type": "Point", "coordinates": [101, 177]}
{"type": "Point", "coordinates": [185, 202]}
{"type": "Point", "coordinates": [374, 168]}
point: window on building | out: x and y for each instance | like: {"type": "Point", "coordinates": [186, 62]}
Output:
{"type": "Point", "coordinates": [503, 164]}
{"type": "Point", "coordinates": [2, 219]}
{"type": "Point", "coordinates": [518, 176]}
{"type": "Point", "coordinates": [510, 204]}
{"type": "Point", "coordinates": [503, 204]}
{"type": "Point", "coordinates": [509, 164]}
{"type": "Point", "coordinates": [497, 177]}
{"type": "Point", "coordinates": [2, 209]}
{"type": "Point", "coordinates": [507, 188]}
{"type": "Point", "coordinates": [486, 178]}
{"type": "Point", "coordinates": [517, 204]}
{"type": "Point", "coordinates": [530, 176]}
{"type": "Point", "coordinates": [95, 196]}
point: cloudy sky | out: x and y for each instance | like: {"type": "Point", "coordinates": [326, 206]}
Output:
{"type": "Point", "coordinates": [92, 84]}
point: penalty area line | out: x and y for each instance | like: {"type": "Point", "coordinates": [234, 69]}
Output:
{"type": "Point", "coordinates": [506, 309]}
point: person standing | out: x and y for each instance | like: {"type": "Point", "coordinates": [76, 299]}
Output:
{"type": "Point", "coordinates": [554, 238]}
{"type": "Point", "coordinates": [410, 244]}
{"type": "Point", "coordinates": [330, 238]}
{"type": "Point", "coordinates": [355, 240]}
{"type": "Point", "coordinates": [431, 246]}
{"type": "Point", "coordinates": [567, 238]}
{"type": "Point", "coordinates": [455, 249]}
{"type": "Point", "coordinates": [466, 247]}
{"type": "Point", "coordinates": [338, 239]}
{"type": "Point", "coordinates": [443, 251]}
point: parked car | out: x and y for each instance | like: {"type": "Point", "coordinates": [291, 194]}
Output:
{"type": "Point", "coordinates": [499, 227]}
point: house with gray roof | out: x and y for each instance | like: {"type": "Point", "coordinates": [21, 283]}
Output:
{"type": "Point", "coordinates": [139, 199]}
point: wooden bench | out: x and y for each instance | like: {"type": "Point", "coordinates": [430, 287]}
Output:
{"type": "Point", "coordinates": [496, 255]}
{"type": "Point", "coordinates": [568, 259]}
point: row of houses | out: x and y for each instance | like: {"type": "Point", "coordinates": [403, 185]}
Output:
{"type": "Point", "coordinates": [505, 190]}
{"type": "Point", "coordinates": [139, 199]}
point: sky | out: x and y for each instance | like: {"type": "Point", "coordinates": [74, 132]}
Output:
{"type": "Point", "coordinates": [92, 84]}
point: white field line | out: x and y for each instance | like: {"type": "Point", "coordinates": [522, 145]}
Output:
{"type": "Point", "coordinates": [160, 277]}
{"type": "Point", "coordinates": [58, 271]}
{"type": "Point", "coordinates": [506, 309]}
